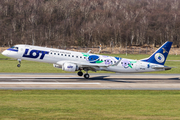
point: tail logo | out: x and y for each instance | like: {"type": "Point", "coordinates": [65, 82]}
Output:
{"type": "Point", "coordinates": [159, 57]}
{"type": "Point", "coordinates": [164, 50]}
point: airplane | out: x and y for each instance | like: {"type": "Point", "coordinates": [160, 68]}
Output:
{"type": "Point", "coordinates": [77, 61]}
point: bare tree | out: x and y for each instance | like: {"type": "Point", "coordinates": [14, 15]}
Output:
{"type": "Point", "coordinates": [89, 22]}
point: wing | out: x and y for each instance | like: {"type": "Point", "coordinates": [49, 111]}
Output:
{"type": "Point", "coordinates": [90, 66]}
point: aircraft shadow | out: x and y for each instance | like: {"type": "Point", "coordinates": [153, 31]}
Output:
{"type": "Point", "coordinates": [105, 78]}
{"type": "Point", "coordinates": [130, 80]}
{"type": "Point", "coordinates": [101, 78]}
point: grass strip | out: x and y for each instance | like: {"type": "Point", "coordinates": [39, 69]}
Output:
{"type": "Point", "coordinates": [89, 104]}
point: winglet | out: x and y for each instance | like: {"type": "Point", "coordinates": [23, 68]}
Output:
{"type": "Point", "coordinates": [116, 63]}
{"type": "Point", "coordinates": [88, 51]}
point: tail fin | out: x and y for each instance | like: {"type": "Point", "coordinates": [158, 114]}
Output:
{"type": "Point", "coordinates": [159, 57]}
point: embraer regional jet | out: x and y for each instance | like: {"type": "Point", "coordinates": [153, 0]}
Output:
{"type": "Point", "coordinates": [78, 61]}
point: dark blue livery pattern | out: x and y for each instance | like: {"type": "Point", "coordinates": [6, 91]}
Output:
{"type": "Point", "coordinates": [35, 54]}
{"type": "Point", "coordinates": [69, 66]}
{"type": "Point", "coordinates": [11, 49]}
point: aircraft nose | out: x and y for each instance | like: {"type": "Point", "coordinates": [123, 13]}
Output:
{"type": "Point", "coordinates": [5, 52]}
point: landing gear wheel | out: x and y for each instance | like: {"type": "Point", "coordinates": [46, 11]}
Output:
{"type": "Point", "coordinates": [18, 65]}
{"type": "Point", "coordinates": [86, 76]}
{"type": "Point", "coordinates": [80, 73]}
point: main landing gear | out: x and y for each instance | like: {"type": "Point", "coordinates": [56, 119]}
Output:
{"type": "Point", "coordinates": [86, 76]}
{"type": "Point", "coordinates": [19, 65]}
{"type": "Point", "coordinates": [80, 73]}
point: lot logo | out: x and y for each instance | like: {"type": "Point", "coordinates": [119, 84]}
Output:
{"type": "Point", "coordinates": [159, 57]}
{"type": "Point", "coordinates": [35, 53]}
{"type": "Point", "coordinates": [69, 66]}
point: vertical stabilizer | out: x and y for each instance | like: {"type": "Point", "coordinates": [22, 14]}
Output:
{"type": "Point", "coordinates": [159, 57]}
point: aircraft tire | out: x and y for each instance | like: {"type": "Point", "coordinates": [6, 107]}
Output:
{"type": "Point", "coordinates": [18, 65]}
{"type": "Point", "coordinates": [86, 76]}
{"type": "Point", "coordinates": [80, 73]}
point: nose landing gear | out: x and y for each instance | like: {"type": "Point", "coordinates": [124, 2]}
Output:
{"type": "Point", "coordinates": [19, 65]}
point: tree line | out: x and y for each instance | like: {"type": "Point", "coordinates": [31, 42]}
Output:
{"type": "Point", "coordinates": [89, 22]}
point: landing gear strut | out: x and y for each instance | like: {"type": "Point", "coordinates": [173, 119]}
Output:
{"type": "Point", "coordinates": [19, 65]}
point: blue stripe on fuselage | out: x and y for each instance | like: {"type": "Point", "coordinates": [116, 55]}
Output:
{"type": "Point", "coordinates": [10, 49]}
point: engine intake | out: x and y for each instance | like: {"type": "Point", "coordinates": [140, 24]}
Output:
{"type": "Point", "coordinates": [70, 67]}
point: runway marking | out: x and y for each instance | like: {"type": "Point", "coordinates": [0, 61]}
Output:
{"type": "Point", "coordinates": [48, 83]}
{"type": "Point", "coordinates": [22, 79]}
{"type": "Point", "coordinates": [44, 77]}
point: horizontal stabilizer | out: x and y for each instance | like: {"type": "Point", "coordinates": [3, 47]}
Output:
{"type": "Point", "coordinates": [161, 67]}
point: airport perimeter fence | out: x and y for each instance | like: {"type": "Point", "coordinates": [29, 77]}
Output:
{"type": "Point", "coordinates": [110, 50]}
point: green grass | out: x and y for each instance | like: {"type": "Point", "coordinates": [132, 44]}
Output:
{"type": "Point", "coordinates": [8, 65]}
{"type": "Point", "coordinates": [89, 104]}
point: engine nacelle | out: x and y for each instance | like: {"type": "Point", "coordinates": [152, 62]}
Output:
{"type": "Point", "coordinates": [70, 67]}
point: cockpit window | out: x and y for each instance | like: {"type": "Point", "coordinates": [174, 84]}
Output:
{"type": "Point", "coordinates": [16, 48]}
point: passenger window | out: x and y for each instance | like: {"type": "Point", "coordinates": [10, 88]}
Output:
{"type": "Point", "coordinates": [65, 54]}
{"type": "Point", "coordinates": [68, 55]}
{"type": "Point", "coordinates": [61, 54]}
{"type": "Point", "coordinates": [76, 56]}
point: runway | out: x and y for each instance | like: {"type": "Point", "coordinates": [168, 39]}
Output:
{"type": "Point", "coordinates": [19, 81]}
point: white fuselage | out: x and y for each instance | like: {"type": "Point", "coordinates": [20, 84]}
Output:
{"type": "Point", "coordinates": [98, 62]}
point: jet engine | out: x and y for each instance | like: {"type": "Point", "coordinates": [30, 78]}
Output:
{"type": "Point", "coordinates": [70, 67]}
